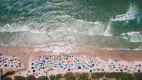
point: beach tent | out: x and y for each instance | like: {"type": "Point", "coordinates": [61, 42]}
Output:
{"type": "Point", "coordinates": [79, 67]}
{"type": "Point", "coordinates": [121, 70]}
{"type": "Point", "coordinates": [139, 70]}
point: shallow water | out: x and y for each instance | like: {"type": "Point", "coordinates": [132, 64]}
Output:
{"type": "Point", "coordinates": [106, 24]}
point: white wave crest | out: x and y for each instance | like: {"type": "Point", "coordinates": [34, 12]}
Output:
{"type": "Point", "coordinates": [137, 49]}
{"type": "Point", "coordinates": [57, 49]}
{"type": "Point", "coordinates": [14, 28]}
{"type": "Point", "coordinates": [132, 36]}
{"type": "Point", "coordinates": [116, 48]}
{"type": "Point", "coordinates": [108, 30]}
{"type": "Point", "coordinates": [37, 31]}
{"type": "Point", "coordinates": [86, 28]}
{"type": "Point", "coordinates": [130, 14]}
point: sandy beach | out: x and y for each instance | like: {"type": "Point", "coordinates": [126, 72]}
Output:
{"type": "Point", "coordinates": [98, 60]}
{"type": "Point", "coordinates": [127, 55]}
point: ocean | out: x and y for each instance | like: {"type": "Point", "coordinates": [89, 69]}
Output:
{"type": "Point", "coordinates": [107, 24]}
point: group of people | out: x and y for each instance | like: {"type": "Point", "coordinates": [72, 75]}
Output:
{"type": "Point", "coordinates": [43, 65]}
{"type": "Point", "coordinates": [53, 64]}
{"type": "Point", "coordinates": [10, 62]}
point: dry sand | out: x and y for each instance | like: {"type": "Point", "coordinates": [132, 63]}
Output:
{"type": "Point", "coordinates": [25, 52]}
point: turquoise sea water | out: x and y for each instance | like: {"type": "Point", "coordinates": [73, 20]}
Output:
{"type": "Point", "coordinates": [113, 24]}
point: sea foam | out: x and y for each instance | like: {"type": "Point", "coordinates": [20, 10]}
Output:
{"type": "Point", "coordinates": [130, 14]}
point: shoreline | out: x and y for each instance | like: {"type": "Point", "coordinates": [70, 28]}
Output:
{"type": "Point", "coordinates": [127, 55]}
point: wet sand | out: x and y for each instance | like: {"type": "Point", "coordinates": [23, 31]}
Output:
{"type": "Point", "coordinates": [127, 55]}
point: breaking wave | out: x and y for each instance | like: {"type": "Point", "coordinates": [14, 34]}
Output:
{"type": "Point", "coordinates": [14, 28]}
{"type": "Point", "coordinates": [130, 14]}
{"type": "Point", "coordinates": [71, 22]}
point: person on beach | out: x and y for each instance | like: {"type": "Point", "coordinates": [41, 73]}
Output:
{"type": "Point", "coordinates": [1, 71]}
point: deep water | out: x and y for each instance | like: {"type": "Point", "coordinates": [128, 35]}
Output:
{"type": "Point", "coordinates": [108, 24]}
